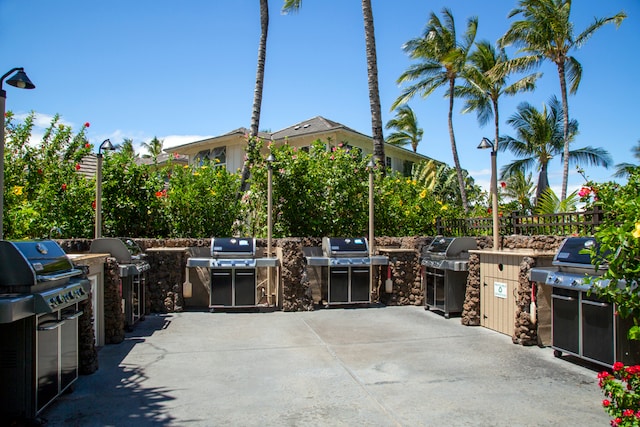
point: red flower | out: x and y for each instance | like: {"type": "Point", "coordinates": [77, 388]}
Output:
{"type": "Point", "coordinates": [584, 191]}
{"type": "Point", "coordinates": [158, 194]}
{"type": "Point", "coordinates": [606, 402]}
{"type": "Point", "coordinates": [87, 124]}
{"type": "Point", "coordinates": [93, 205]}
{"type": "Point", "coordinates": [503, 184]}
{"type": "Point", "coordinates": [39, 171]}
{"type": "Point", "coordinates": [64, 187]}
{"type": "Point", "coordinates": [77, 166]}
{"type": "Point", "coordinates": [87, 145]}
{"type": "Point", "coordinates": [618, 366]}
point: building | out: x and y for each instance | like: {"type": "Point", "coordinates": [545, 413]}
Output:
{"type": "Point", "coordinates": [229, 149]}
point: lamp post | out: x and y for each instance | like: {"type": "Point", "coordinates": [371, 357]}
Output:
{"type": "Point", "coordinates": [106, 145]}
{"type": "Point", "coordinates": [372, 243]}
{"type": "Point", "coordinates": [19, 80]}
{"type": "Point", "coordinates": [484, 144]}
{"type": "Point", "coordinates": [270, 161]}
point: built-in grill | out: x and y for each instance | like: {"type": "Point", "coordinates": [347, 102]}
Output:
{"type": "Point", "coordinates": [445, 267]}
{"type": "Point", "coordinates": [349, 268]}
{"type": "Point", "coordinates": [583, 325]}
{"type": "Point", "coordinates": [39, 294]}
{"type": "Point", "coordinates": [234, 271]}
{"type": "Point", "coordinates": [133, 267]}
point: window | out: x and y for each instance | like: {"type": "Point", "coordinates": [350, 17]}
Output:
{"type": "Point", "coordinates": [219, 156]}
{"type": "Point", "coordinates": [388, 162]}
{"type": "Point", "coordinates": [216, 156]}
{"type": "Point", "coordinates": [407, 167]}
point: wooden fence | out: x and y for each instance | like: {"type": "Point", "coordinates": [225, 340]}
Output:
{"type": "Point", "coordinates": [581, 223]}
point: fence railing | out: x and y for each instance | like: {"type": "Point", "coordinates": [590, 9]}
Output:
{"type": "Point", "coordinates": [582, 223]}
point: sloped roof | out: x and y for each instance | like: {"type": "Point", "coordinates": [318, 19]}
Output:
{"type": "Point", "coordinates": [317, 124]}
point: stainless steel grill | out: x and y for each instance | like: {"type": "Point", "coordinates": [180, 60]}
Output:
{"type": "Point", "coordinates": [233, 264]}
{"type": "Point", "coordinates": [349, 268]}
{"type": "Point", "coordinates": [39, 294]}
{"type": "Point", "coordinates": [583, 325]}
{"type": "Point", "coordinates": [445, 270]}
{"type": "Point", "coordinates": [133, 267]}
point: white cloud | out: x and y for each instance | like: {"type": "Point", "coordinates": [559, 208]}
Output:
{"type": "Point", "coordinates": [174, 140]}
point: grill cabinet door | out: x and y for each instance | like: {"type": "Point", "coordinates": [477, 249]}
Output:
{"type": "Point", "coordinates": [360, 284]}
{"type": "Point", "coordinates": [245, 287]}
{"type": "Point", "coordinates": [565, 326]}
{"type": "Point", "coordinates": [597, 330]}
{"type": "Point", "coordinates": [221, 287]}
{"type": "Point", "coordinates": [338, 284]}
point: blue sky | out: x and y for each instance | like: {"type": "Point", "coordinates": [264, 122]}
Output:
{"type": "Point", "coordinates": [186, 70]}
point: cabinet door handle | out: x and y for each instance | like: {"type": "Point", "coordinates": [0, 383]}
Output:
{"type": "Point", "coordinates": [595, 303]}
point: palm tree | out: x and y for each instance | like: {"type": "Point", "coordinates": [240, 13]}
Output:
{"type": "Point", "coordinates": [519, 187]}
{"type": "Point", "coordinates": [257, 92]}
{"type": "Point", "coordinates": [372, 75]}
{"type": "Point", "coordinates": [622, 169]}
{"type": "Point", "coordinates": [441, 58]}
{"type": "Point", "coordinates": [540, 139]}
{"type": "Point", "coordinates": [127, 149]}
{"type": "Point", "coordinates": [154, 147]}
{"type": "Point", "coordinates": [406, 124]}
{"type": "Point", "coordinates": [545, 32]}
{"type": "Point", "coordinates": [484, 86]}
{"type": "Point", "coordinates": [549, 203]}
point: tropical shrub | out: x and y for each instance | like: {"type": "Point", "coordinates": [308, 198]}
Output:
{"type": "Point", "coordinates": [43, 191]}
{"type": "Point", "coordinates": [200, 201]}
{"type": "Point", "coordinates": [619, 244]}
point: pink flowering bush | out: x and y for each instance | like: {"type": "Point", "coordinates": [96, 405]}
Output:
{"type": "Point", "coordinates": [622, 399]}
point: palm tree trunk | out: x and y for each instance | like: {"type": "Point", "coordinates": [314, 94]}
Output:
{"type": "Point", "coordinates": [454, 150]}
{"type": "Point", "coordinates": [257, 92]}
{"type": "Point", "coordinates": [543, 182]}
{"type": "Point", "coordinates": [374, 93]}
{"type": "Point", "coordinates": [565, 135]}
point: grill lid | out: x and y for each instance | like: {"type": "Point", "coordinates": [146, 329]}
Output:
{"type": "Point", "coordinates": [29, 262]}
{"type": "Point", "coordinates": [233, 247]}
{"type": "Point", "coordinates": [451, 247]}
{"type": "Point", "coordinates": [123, 249]}
{"type": "Point", "coordinates": [573, 252]}
{"type": "Point", "coordinates": [345, 246]}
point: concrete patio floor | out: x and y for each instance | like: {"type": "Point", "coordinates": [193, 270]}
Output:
{"type": "Point", "coordinates": [379, 366]}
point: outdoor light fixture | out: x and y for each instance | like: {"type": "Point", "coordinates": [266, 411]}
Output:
{"type": "Point", "coordinates": [106, 145]}
{"type": "Point", "coordinates": [484, 144]}
{"type": "Point", "coordinates": [19, 80]}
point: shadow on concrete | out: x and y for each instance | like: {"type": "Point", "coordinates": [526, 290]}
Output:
{"type": "Point", "coordinates": [116, 394]}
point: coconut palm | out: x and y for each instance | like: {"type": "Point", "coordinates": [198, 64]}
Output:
{"type": "Point", "coordinates": [483, 87]}
{"type": "Point", "coordinates": [548, 203]}
{"type": "Point", "coordinates": [622, 169]}
{"type": "Point", "coordinates": [546, 33]}
{"type": "Point", "coordinates": [540, 139]}
{"type": "Point", "coordinates": [127, 149]}
{"type": "Point", "coordinates": [407, 130]}
{"type": "Point", "coordinates": [519, 187]}
{"type": "Point", "coordinates": [257, 92]}
{"type": "Point", "coordinates": [154, 148]}
{"type": "Point", "coordinates": [372, 76]}
{"type": "Point", "coordinates": [440, 57]}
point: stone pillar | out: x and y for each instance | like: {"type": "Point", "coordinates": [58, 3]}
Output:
{"type": "Point", "coordinates": [113, 315]}
{"type": "Point", "coordinates": [471, 307]}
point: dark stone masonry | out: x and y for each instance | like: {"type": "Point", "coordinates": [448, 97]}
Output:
{"type": "Point", "coordinates": [168, 258]}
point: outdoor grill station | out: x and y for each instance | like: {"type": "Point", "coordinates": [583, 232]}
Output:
{"type": "Point", "coordinates": [40, 292]}
{"type": "Point", "coordinates": [348, 263]}
{"type": "Point", "coordinates": [445, 267]}
{"type": "Point", "coordinates": [582, 324]}
{"type": "Point", "coordinates": [133, 270]}
{"type": "Point", "coordinates": [233, 266]}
